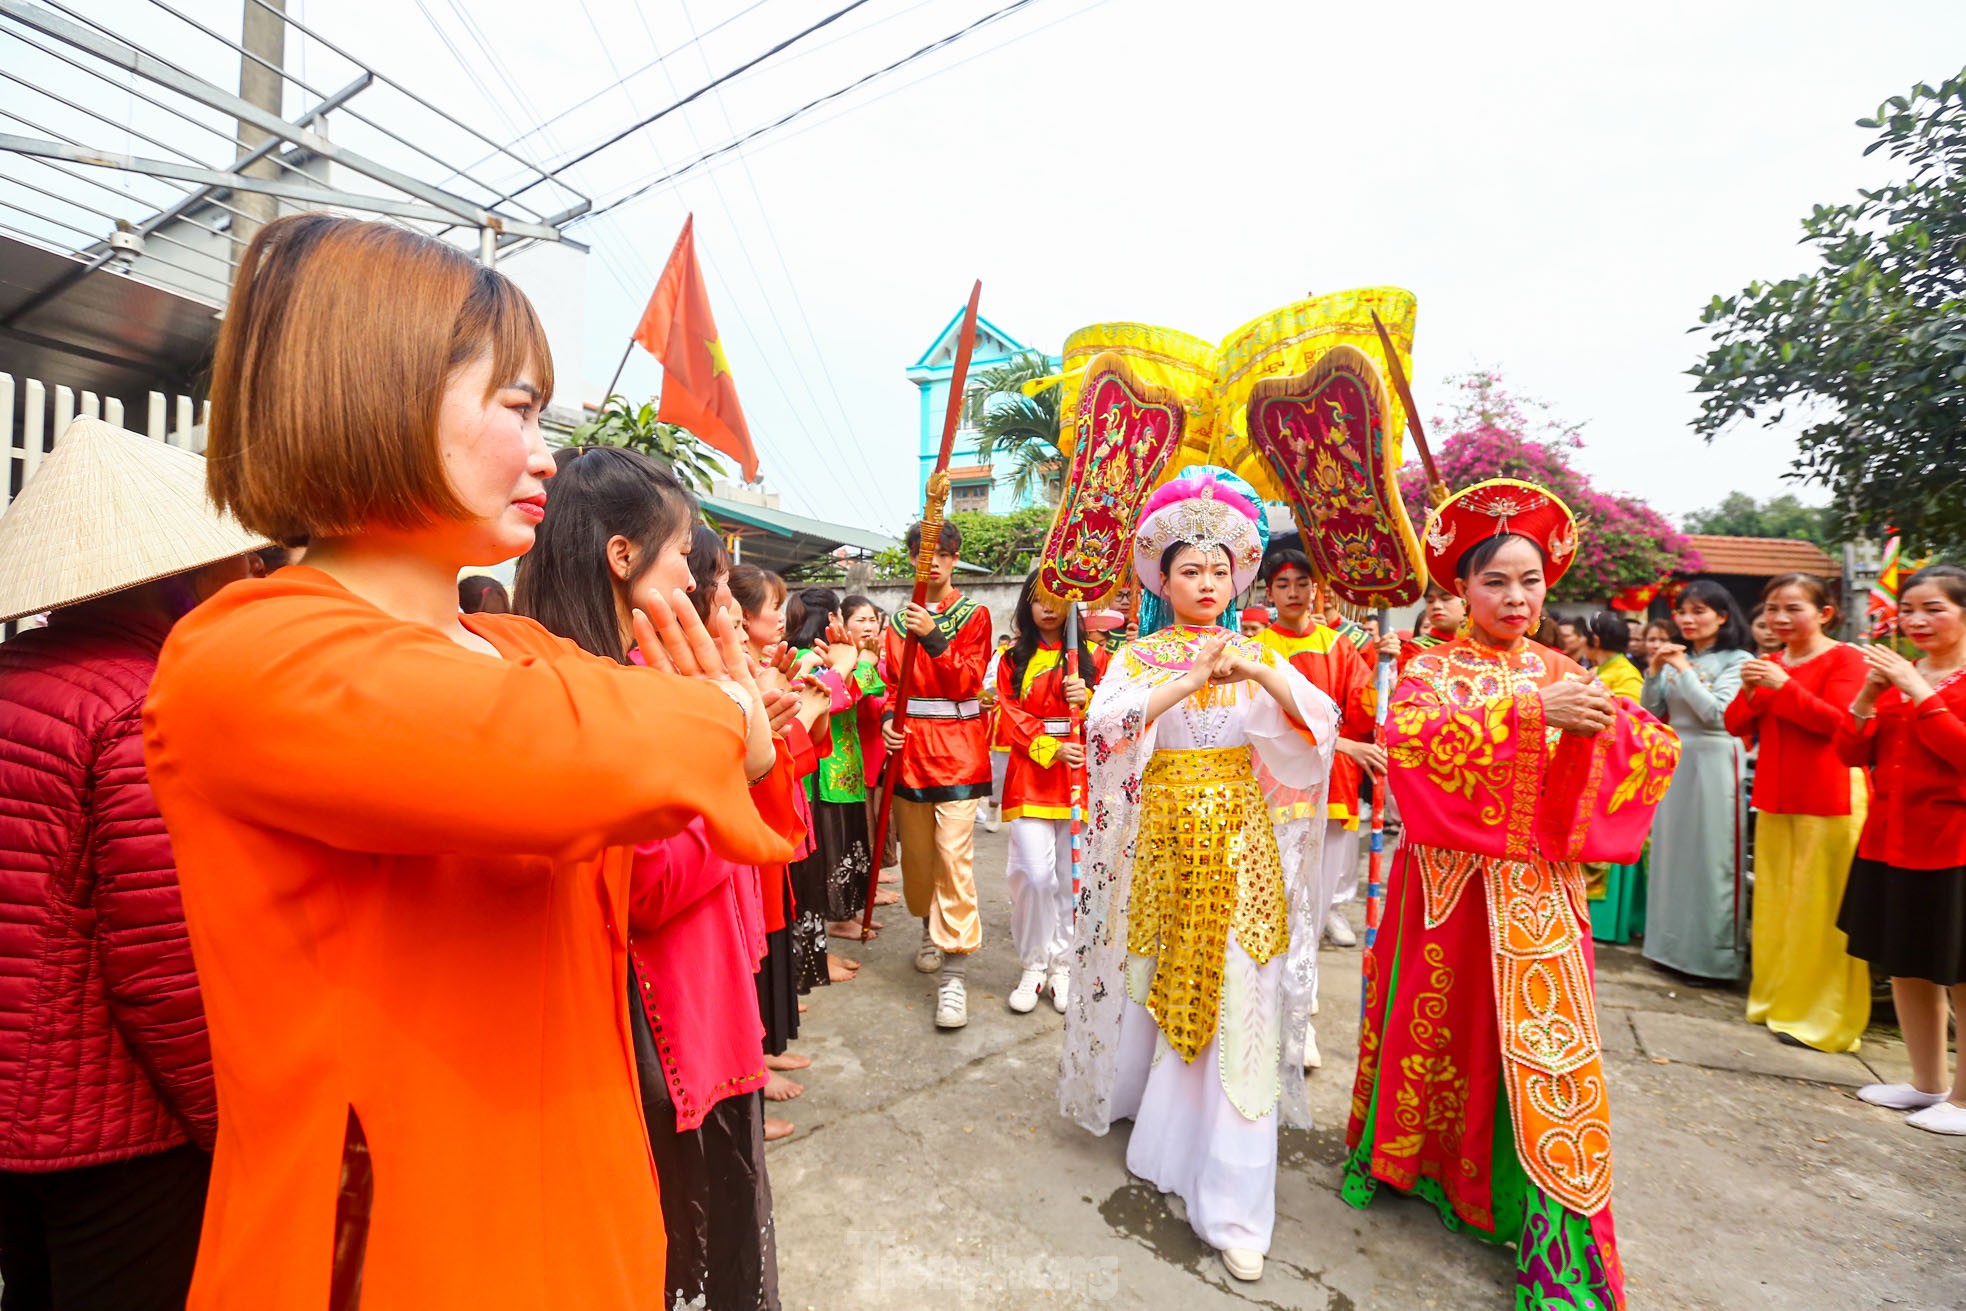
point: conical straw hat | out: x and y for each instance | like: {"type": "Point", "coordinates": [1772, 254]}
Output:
{"type": "Point", "coordinates": [109, 509]}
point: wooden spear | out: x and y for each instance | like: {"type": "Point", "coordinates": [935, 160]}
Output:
{"type": "Point", "coordinates": [935, 501]}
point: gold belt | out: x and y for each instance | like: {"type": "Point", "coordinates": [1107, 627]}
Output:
{"type": "Point", "coordinates": [1200, 766]}
{"type": "Point", "coordinates": [1206, 865]}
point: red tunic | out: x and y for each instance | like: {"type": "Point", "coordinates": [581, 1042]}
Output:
{"type": "Point", "coordinates": [1917, 756]}
{"type": "Point", "coordinates": [1336, 669]}
{"type": "Point", "coordinates": [799, 757]}
{"type": "Point", "coordinates": [947, 757]}
{"type": "Point", "coordinates": [1035, 721]}
{"type": "Point", "coordinates": [1799, 771]}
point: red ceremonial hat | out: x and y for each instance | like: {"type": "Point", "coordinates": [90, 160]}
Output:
{"type": "Point", "coordinates": [1492, 509]}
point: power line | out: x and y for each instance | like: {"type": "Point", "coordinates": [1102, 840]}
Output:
{"type": "Point", "coordinates": [839, 448]}
{"type": "Point", "coordinates": [622, 79]}
{"type": "Point", "coordinates": [949, 67]}
{"type": "Point", "coordinates": [798, 301]}
{"type": "Point", "coordinates": [629, 131]}
{"type": "Point", "coordinates": [804, 109]}
{"type": "Point", "coordinates": [844, 447]}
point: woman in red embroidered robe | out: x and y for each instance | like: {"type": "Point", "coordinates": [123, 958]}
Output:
{"type": "Point", "coordinates": [1480, 1083]}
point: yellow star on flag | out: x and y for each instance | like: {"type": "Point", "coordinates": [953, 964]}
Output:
{"type": "Point", "coordinates": [718, 364]}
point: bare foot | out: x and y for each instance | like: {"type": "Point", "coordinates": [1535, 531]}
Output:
{"type": "Point", "coordinates": [850, 931]}
{"type": "Point", "coordinates": [781, 1089]}
{"type": "Point", "coordinates": [838, 972]}
{"type": "Point", "coordinates": [803, 1008]}
{"type": "Point", "coordinates": [776, 1128]}
{"type": "Point", "coordinates": [887, 898]}
{"type": "Point", "coordinates": [890, 878]}
{"type": "Point", "coordinates": [788, 1061]}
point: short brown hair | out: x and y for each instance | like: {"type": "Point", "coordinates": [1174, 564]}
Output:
{"type": "Point", "coordinates": [339, 340]}
{"type": "Point", "coordinates": [1811, 586]}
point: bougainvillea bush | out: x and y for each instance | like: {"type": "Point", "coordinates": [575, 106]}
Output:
{"type": "Point", "coordinates": [1626, 543]}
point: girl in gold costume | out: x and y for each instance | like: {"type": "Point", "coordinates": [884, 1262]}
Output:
{"type": "Point", "coordinates": [1193, 950]}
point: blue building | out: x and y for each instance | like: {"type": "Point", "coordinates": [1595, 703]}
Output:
{"type": "Point", "coordinates": [974, 484]}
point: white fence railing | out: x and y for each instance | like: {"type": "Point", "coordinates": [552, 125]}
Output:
{"type": "Point", "coordinates": [34, 414]}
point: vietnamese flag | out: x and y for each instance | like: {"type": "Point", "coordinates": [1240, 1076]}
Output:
{"type": "Point", "coordinates": [698, 392]}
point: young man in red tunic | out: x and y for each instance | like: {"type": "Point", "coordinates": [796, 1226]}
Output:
{"type": "Point", "coordinates": [1440, 621]}
{"type": "Point", "coordinates": [944, 759]}
{"type": "Point", "coordinates": [1334, 664]}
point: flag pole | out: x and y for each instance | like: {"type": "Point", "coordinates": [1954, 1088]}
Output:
{"type": "Point", "coordinates": [931, 521]}
{"type": "Point", "coordinates": [617, 370]}
{"type": "Point", "coordinates": [1078, 736]}
{"type": "Point", "coordinates": [1377, 792]}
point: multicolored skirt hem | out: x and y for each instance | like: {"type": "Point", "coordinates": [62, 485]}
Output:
{"type": "Point", "coordinates": [1560, 1255]}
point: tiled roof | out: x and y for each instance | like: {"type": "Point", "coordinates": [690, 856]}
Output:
{"type": "Point", "coordinates": [1762, 557]}
{"type": "Point", "coordinates": [970, 473]}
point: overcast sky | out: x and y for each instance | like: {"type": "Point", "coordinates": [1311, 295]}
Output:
{"type": "Point", "coordinates": [1563, 186]}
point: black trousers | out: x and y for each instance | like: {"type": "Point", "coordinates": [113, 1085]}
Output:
{"type": "Point", "coordinates": [716, 1196]}
{"type": "Point", "coordinates": [119, 1237]}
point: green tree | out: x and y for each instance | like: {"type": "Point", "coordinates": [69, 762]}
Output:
{"type": "Point", "coordinates": [1023, 428]}
{"type": "Point", "coordinates": [1001, 543]}
{"type": "Point", "coordinates": [1740, 515]}
{"type": "Point", "coordinates": [1868, 351]}
{"type": "Point", "coordinates": [620, 422]}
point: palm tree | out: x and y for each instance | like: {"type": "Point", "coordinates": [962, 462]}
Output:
{"type": "Point", "coordinates": [1023, 428]}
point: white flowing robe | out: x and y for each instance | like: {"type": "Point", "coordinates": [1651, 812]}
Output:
{"type": "Point", "coordinates": [1264, 1009]}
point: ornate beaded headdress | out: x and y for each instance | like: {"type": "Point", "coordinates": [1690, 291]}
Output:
{"type": "Point", "coordinates": [1206, 507]}
{"type": "Point", "coordinates": [1494, 508]}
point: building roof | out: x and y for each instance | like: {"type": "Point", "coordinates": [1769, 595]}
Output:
{"type": "Point", "coordinates": [98, 329]}
{"type": "Point", "coordinates": [1005, 346]}
{"type": "Point", "coordinates": [777, 540]}
{"type": "Point", "coordinates": [1762, 557]}
{"type": "Point", "coordinates": [970, 473]}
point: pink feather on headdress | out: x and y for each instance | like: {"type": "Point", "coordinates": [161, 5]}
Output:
{"type": "Point", "coordinates": [1182, 489]}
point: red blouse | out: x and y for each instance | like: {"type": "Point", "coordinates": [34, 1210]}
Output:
{"type": "Point", "coordinates": [1799, 772]}
{"type": "Point", "coordinates": [1917, 756]}
{"type": "Point", "coordinates": [1035, 721]}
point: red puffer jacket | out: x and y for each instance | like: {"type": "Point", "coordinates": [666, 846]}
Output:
{"type": "Point", "coordinates": [103, 1054]}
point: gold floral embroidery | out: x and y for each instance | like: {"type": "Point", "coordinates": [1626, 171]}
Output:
{"type": "Point", "coordinates": [1459, 755]}
{"type": "Point", "coordinates": [1651, 769]}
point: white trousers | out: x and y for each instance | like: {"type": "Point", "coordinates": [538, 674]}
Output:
{"type": "Point", "coordinates": [1040, 877]}
{"type": "Point", "coordinates": [1188, 1137]}
{"type": "Point", "coordinates": [1339, 881]}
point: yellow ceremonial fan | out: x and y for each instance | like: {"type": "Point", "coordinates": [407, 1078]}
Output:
{"type": "Point", "coordinates": [1324, 438]}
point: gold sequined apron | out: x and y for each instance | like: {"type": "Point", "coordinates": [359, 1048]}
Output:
{"type": "Point", "coordinates": [1206, 863]}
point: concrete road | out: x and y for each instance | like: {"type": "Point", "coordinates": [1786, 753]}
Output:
{"type": "Point", "coordinates": [933, 1170]}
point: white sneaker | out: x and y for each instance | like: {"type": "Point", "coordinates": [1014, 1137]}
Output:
{"type": "Point", "coordinates": [1898, 1096]}
{"type": "Point", "coordinates": [1244, 1263]}
{"type": "Point", "coordinates": [992, 818]}
{"type": "Point", "coordinates": [1313, 1058]}
{"type": "Point", "coordinates": [928, 957]}
{"type": "Point", "coordinates": [951, 1005]}
{"type": "Point", "coordinates": [1941, 1117]}
{"type": "Point", "coordinates": [1058, 985]}
{"type": "Point", "coordinates": [1024, 997]}
{"type": "Point", "coordinates": [1339, 930]}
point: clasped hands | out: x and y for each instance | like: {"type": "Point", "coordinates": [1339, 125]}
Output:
{"type": "Point", "coordinates": [1889, 669]}
{"type": "Point", "coordinates": [1763, 673]}
{"type": "Point", "coordinates": [1579, 706]}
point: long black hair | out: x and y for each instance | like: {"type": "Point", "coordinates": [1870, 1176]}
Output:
{"type": "Point", "coordinates": [600, 493]}
{"type": "Point", "coordinates": [1734, 634]}
{"type": "Point", "coordinates": [1025, 644]}
{"type": "Point", "coordinates": [708, 562]}
{"type": "Point", "coordinates": [807, 614]}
